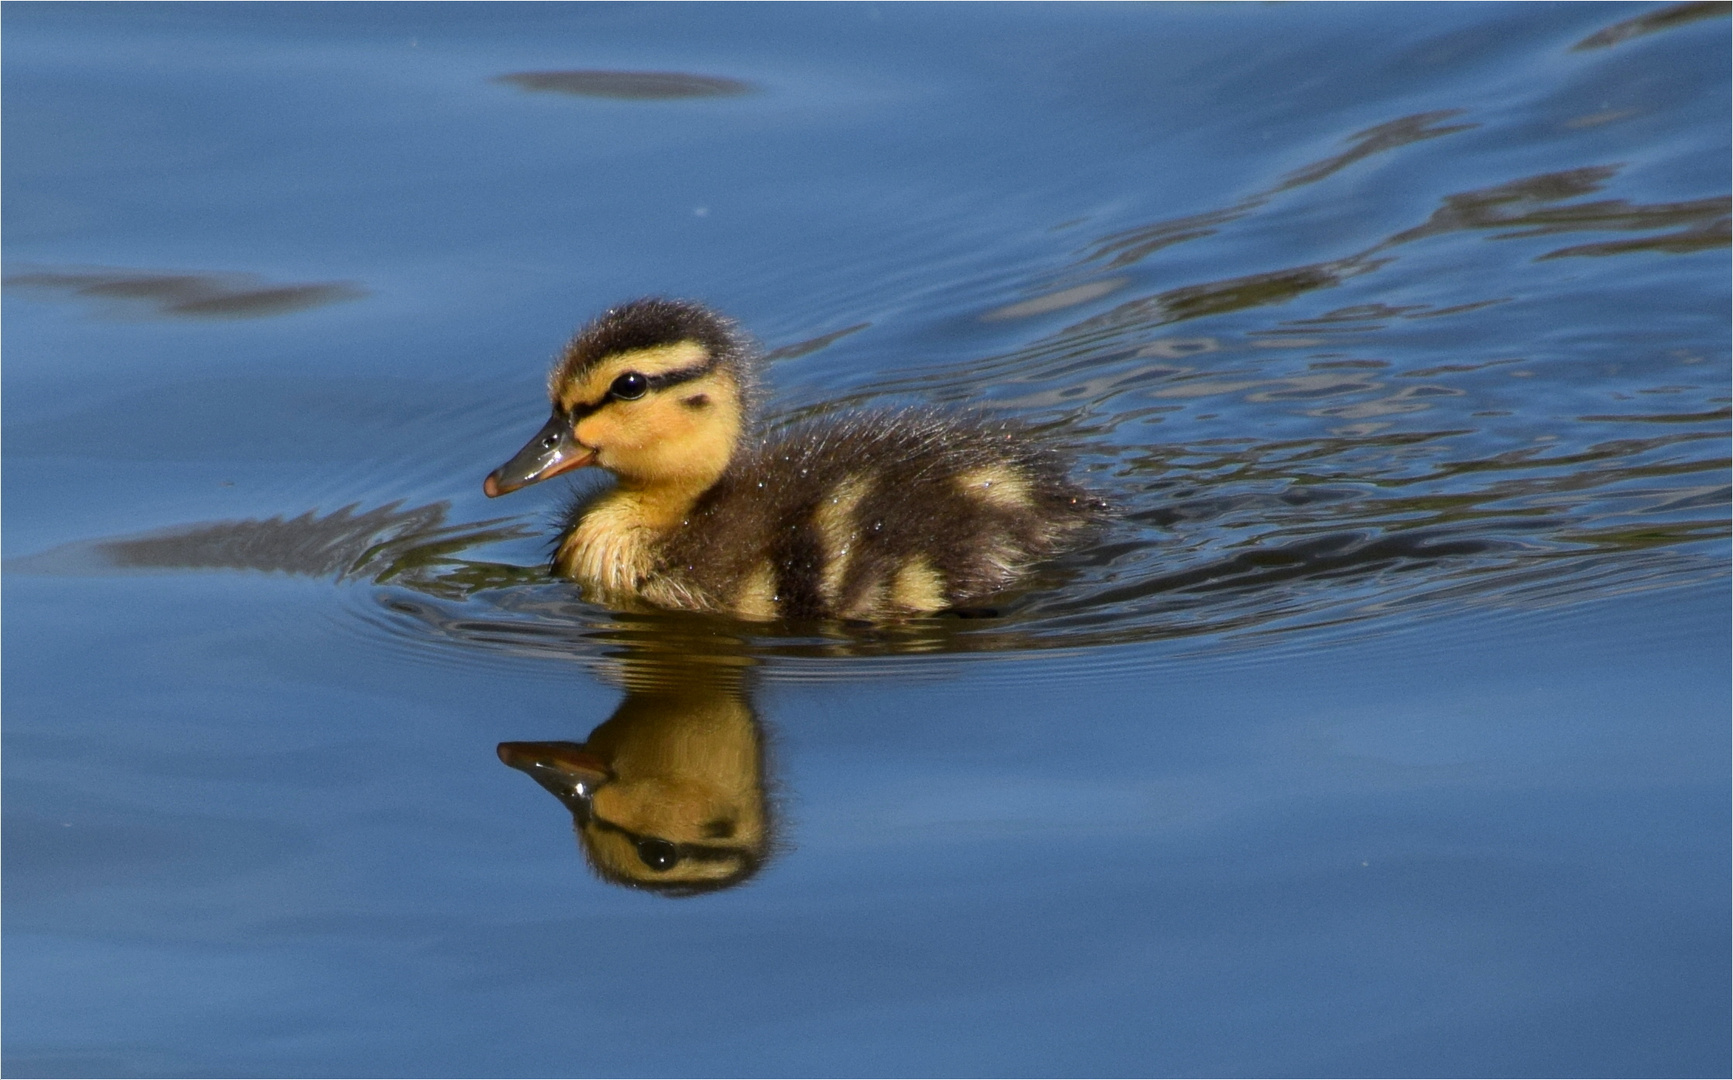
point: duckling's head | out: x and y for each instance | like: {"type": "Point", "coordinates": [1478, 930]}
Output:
{"type": "Point", "coordinates": [655, 391]}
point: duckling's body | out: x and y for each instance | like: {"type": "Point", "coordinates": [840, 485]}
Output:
{"type": "Point", "coordinates": [868, 516]}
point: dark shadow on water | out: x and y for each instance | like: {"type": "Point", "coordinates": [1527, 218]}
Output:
{"type": "Point", "coordinates": [627, 85]}
{"type": "Point", "coordinates": [812, 345]}
{"type": "Point", "coordinates": [1654, 21]}
{"type": "Point", "coordinates": [187, 296]}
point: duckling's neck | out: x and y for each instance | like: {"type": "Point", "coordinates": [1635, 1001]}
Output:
{"type": "Point", "coordinates": [659, 508]}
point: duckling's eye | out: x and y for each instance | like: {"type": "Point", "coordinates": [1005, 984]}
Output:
{"type": "Point", "coordinates": [629, 387]}
{"type": "Point", "coordinates": [658, 854]}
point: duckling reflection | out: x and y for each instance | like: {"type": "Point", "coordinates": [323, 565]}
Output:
{"type": "Point", "coordinates": [668, 794]}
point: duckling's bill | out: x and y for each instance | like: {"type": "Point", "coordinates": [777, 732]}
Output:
{"type": "Point", "coordinates": [553, 450]}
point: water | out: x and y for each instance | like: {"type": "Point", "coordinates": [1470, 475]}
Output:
{"type": "Point", "coordinates": [1384, 732]}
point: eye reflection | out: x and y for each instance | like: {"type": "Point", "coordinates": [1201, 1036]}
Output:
{"type": "Point", "coordinates": [668, 794]}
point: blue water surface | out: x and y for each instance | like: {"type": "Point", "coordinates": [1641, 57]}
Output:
{"type": "Point", "coordinates": [1383, 732]}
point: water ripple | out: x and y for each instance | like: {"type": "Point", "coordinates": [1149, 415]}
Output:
{"type": "Point", "coordinates": [1489, 405]}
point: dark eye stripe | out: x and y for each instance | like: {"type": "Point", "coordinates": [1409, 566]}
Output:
{"type": "Point", "coordinates": [698, 852]}
{"type": "Point", "coordinates": [653, 382]}
{"type": "Point", "coordinates": [672, 378]}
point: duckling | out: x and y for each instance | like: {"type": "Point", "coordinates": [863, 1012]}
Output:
{"type": "Point", "coordinates": [868, 516]}
{"type": "Point", "coordinates": [668, 794]}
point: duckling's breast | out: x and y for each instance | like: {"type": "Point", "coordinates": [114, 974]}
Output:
{"type": "Point", "coordinates": [605, 550]}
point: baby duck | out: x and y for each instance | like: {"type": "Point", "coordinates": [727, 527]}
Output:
{"type": "Point", "coordinates": [867, 516]}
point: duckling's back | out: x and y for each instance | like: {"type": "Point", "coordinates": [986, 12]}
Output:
{"type": "Point", "coordinates": [874, 515]}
